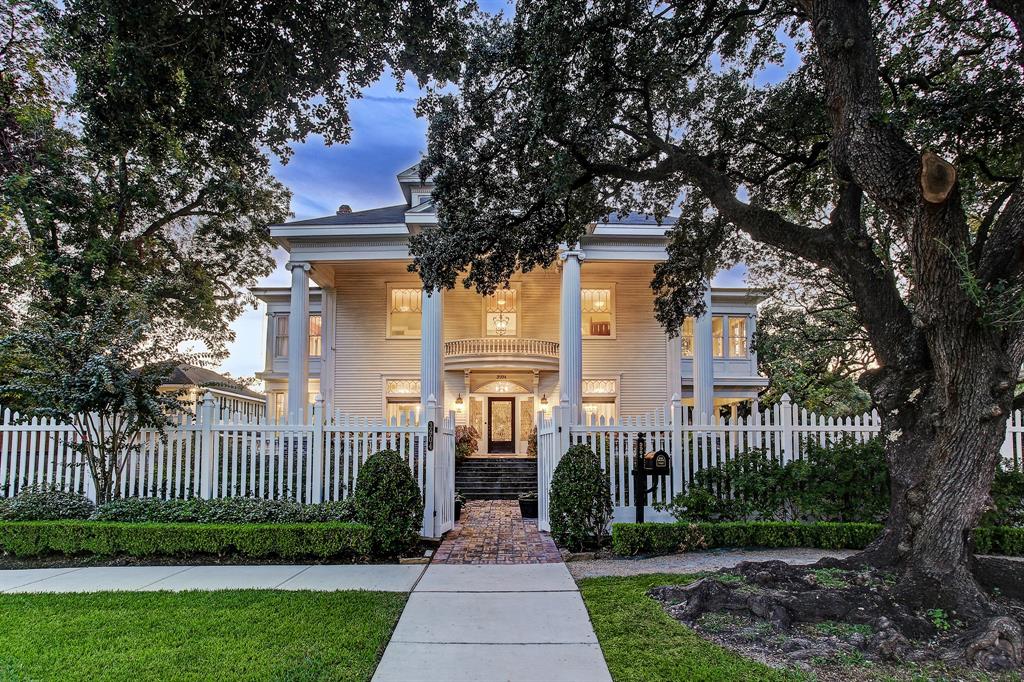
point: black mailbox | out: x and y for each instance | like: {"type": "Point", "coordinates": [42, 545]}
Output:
{"type": "Point", "coordinates": [657, 463]}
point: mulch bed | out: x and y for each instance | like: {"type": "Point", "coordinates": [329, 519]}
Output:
{"type": "Point", "coordinates": [843, 624]}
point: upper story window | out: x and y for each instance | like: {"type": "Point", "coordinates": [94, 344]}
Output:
{"type": "Point", "coordinates": [598, 312]}
{"type": "Point", "coordinates": [728, 336]}
{"type": "Point", "coordinates": [501, 313]}
{"type": "Point", "coordinates": [687, 337]}
{"type": "Point", "coordinates": [404, 308]}
{"type": "Point", "coordinates": [315, 340]}
{"type": "Point", "coordinates": [281, 336]}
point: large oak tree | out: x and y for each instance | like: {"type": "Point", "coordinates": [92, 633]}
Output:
{"type": "Point", "coordinates": [889, 155]}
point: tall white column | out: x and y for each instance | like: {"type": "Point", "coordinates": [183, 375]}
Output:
{"type": "Point", "coordinates": [673, 366]}
{"type": "Point", "coordinates": [432, 347]}
{"type": "Point", "coordinates": [298, 343]}
{"type": "Point", "coordinates": [704, 363]}
{"type": "Point", "coordinates": [570, 352]}
{"type": "Point", "coordinates": [328, 311]}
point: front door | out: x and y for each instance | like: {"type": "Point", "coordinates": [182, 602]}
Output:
{"type": "Point", "coordinates": [501, 425]}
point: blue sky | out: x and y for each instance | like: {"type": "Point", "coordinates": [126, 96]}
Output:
{"type": "Point", "coordinates": [386, 138]}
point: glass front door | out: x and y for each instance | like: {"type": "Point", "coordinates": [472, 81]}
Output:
{"type": "Point", "coordinates": [501, 425]}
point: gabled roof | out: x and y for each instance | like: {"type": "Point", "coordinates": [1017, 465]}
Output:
{"type": "Point", "coordinates": [385, 215]}
{"type": "Point", "coordinates": [190, 375]}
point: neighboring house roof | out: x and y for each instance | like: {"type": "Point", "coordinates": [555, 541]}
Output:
{"type": "Point", "coordinates": [190, 375]}
{"type": "Point", "coordinates": [385, 215]}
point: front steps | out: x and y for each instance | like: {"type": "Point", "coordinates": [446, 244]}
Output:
{"type": "Point", "coordinates": [495, 478]}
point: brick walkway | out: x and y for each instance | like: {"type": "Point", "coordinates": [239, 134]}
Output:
{"type": "Point", "coordinates": [493, 532]}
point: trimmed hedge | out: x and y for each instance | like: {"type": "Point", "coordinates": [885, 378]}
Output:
{"type": "Point", "coordinates": [323, 540]}
{"type": "Point", "coordinates": [632, 539]}
{"type": "Point", "coordinates": [999, 540]}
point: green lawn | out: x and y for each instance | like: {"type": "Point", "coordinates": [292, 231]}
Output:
{"type": "Point", "coordinates": [642, 643]}
{"type": "Point", "coordinates": [231, 635]}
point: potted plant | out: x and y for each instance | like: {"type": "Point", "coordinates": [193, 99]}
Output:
{"type": "Point", "coordinates": [460, 500]}
{"type": "Point", "coordinates": [528, 505]}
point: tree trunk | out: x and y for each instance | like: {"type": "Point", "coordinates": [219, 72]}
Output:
{"type": "Point", "coordinates": [943, 433]}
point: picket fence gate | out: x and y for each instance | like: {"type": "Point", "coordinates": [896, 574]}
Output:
{"type": "Point", "coordinates": [209, 457]}
{"type": "Point", "coordinates": [782, 432]}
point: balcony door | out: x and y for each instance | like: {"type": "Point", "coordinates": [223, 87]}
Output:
{"type": "Point", "coordinates": [501, 425]}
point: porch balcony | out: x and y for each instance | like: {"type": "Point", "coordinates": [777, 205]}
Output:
{"type": "Point", "coordinates": [501, 352]}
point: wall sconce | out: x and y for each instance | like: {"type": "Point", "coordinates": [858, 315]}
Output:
{"type": "Point", "coordinates": [544, 400]}
{"type": "Point", "coordinates": [459, 403]}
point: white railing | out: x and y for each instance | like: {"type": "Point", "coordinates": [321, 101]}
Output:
{"type": "Point", "coordinates": [501, 345]}
{"type": "Point", "coordinates": [783, 432]}
{"type": "Point", "coordinates": [209, 457]}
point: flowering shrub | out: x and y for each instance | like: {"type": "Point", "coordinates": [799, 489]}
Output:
{"type": "Point", "coordinates": [467, 440]}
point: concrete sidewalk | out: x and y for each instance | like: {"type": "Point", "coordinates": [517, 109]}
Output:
{"type": "Point", "coordinates": [383, 578]}
{"type": "Point", "coordinates": [513, 623]}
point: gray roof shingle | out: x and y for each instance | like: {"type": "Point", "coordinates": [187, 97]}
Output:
{"type": "Point", "coordinates": [374, 216]}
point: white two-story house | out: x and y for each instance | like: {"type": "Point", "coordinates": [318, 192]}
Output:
{"type": "Point", "coordinates": [581, 331]}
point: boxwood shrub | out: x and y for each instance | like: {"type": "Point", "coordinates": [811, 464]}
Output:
{"type": "Point", "coordinates": [347, 541]}
{"type": "Point", "coordinates": [581, 500]}
{"type": "Point", "coordinates": [631, 539]}
{"type": "Point", "coordinates": [388, 500]}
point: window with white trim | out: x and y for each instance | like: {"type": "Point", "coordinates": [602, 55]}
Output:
{"type": "Point", "coordinates": [315, 339]}
{"type": "Point", "coordinates": [501, 313]}
{"type": "Point", "coordinates": [729, 336]}
{"type": "Point", "coordinates": [402, 400]}
{"type": "Point", "coordinates": [281, 335]}
{"type": "Point", "coordinates": [597, 307]}
{"type": "Point", "coordinates": [404, 312]}
{"type": "Point", "coordinates": [686, 336]}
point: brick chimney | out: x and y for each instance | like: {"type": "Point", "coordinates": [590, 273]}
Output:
{"type": "Point", "coordinates": [343, 209]}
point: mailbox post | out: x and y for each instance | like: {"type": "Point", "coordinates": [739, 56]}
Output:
{"type": "Point", "coordinates": [653, 464]}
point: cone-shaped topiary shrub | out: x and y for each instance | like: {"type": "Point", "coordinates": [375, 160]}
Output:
{"type": "Point", "coordinates": [388, 500]}
{"type": "Point", "coordinates": [581, 500]}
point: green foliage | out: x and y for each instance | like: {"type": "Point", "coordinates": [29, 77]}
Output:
{"type": "Point", "coordinates": [43, 503]}
{"type": "Point", "coordinates": [225, 635]}
{"type": "Point", "coordinates": [939, 619]}
{"type": "Point", "coordinates": [641, 642]}
{"type": "Point", "coordinates": [580, 507]}
{"type": "Point", "coordinates": [632, 539]}
{"type": "Point", "coordinates": [1004, 540]}
{"type": "Point", "coordinates": [466, 442]}
{"type": "Point", "coordinates": [347, 541]}
{"type": "Point", "coordinates": [844, 481]}
{"type": "Point", "coordinates": [388, 500]}
{"type": "Point", "coordinates": [1007, 500]}
{"type": "Point", "coordinates": [227, 510]}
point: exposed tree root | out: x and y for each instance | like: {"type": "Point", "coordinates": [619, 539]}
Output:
{"type": "Point", "coordinates": [864, 599]}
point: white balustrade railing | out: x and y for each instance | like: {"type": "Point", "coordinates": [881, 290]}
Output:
{"type": "Point", "coordinates": [208, 457]}
{"type": "Point", "coordinates": [501, 345]}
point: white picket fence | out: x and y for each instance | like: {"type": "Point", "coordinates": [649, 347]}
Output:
{"type": "Point", "coordinates": [210, 457]}
{"type": "Point", "coordinates": [782, 431]}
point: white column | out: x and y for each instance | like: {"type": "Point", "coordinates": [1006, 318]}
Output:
{"type": "Point", "coordinates": [674, 366]}
{"type": "Point", "coordinates": [298, 343]}
{"type": "Point", "coordinates": [328, 310]}
{"type": "Point", "coordinates": [432, 347]}
{"type": "Point", "coordinates": [570, 351]}
{"type": "Point", "coordinates": [704, 364]}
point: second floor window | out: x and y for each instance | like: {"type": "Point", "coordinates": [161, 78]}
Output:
{"type": "Point", "coordinates": [596, 306]}
{"type": "Point", "coordinates": [687, 337]}
{"type": "Point", "coordinates": [502, 313]}
{"type": "Point", "coordinates": [315, 340]}
{"type": "Point", "coordinates": [281, 336]}
{"type": "Point", "coordinates": [404, 307]}
{"type": "Point", "coordinates": [728, 336]}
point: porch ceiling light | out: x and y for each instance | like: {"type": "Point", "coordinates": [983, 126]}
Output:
{"type": "Point", "coordinates": [544, 400]}
{"type": "Point", "coordinates": [459, 403]}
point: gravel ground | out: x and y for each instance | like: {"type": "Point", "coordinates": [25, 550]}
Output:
{"type": "Point", "coordinates": [693, 562]}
